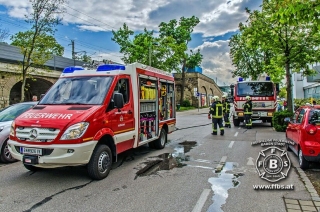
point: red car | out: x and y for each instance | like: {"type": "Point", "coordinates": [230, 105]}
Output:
{"type": "Point", "coordinates": [304, 130]}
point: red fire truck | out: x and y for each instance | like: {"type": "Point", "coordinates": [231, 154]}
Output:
{"type": "Point", "coordinates": [263, 94]}
{"type": "Point", "coordinates": [88, 117]}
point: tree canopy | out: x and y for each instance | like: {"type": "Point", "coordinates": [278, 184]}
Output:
{"type": "Point", "coordinates": [282, 46]}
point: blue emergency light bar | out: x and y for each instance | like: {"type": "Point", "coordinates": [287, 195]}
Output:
{"type": "Point", "coordinates": [268, 78]}
{"type": "Point", "coordinates": [240, 79]}
{"type": "Point", "coordinates": [71, 69]}
{"type": "Point", "coordinates": [110, 67]}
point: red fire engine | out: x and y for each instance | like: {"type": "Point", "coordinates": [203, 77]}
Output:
{"type": "Point", "coordinates": [263, 94]}
{"type": "Point", "coordinates": [88, 117]}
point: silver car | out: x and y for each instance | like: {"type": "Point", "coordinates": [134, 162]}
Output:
{"type": "Point", "coordinates": [7, 115]}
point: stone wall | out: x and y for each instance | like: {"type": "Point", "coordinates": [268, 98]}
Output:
{"type": "Point", "coordinates": [204, 85]}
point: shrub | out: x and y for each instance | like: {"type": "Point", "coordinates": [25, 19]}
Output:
{"type": "Point", "coordinates": [186, 103]}
{"type": "Point", "coordinates": [278, 120]}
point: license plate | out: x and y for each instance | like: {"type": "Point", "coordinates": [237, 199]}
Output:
{"type": "Point", "coordinates": [31, 151]}
{"type": "Point", "coordinates": [257, 121]}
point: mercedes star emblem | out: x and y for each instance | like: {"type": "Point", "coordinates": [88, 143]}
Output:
{"type": "Point", "coordinates": [33, 134]}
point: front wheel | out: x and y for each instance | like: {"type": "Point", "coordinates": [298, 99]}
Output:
{"type": "Point", "coordinates": [5, 154]}
{"type": "Point", "coordinates": [236, 122]}
{"type": "Point", "coordinates": [303, 163]}
{"type": "Point", "coordinates": [100, 162]}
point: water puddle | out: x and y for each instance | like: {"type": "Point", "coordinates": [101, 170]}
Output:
{"type": "Point", "coordinates": [221, 183]}
{"type": "Point", "coordinates": [167, 161]}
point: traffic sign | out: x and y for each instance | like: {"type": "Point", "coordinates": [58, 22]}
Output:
{"type": "Point", "coordinates": [198, 94]}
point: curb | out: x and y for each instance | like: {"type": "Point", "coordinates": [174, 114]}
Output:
{"type": "Point", "coordinates": [308, 185]}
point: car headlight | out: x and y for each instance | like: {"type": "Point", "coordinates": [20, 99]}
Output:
{"type": "Point", "coordinates": [75, 131]}
{"type": "Point", "coordinates": [12, 128]}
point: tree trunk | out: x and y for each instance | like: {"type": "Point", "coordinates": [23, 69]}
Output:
{"type": "Point", "coordinates": [289, 88]}
{"type": "Point", "coordinates": [183, 82]}
{"type": "Point", "coordinates": [24, 80]}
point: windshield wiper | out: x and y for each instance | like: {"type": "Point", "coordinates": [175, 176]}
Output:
{"type": "Point", "coordinates": [73, 103]}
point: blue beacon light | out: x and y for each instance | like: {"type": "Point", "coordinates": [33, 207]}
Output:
{"type": "Point", "coordinates": [71, 69]}
{"type": "Point", "coordinates": [240, 79]}
{"type": "Point", "coordinates": [110, 67]}
{"type": "Point", "coordinates": [267, 78]}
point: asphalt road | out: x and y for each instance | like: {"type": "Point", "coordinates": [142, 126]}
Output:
{"type": "Point", "coordinates": [182, 178]}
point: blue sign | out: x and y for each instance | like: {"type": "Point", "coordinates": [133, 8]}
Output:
{"type": "Point", "coordinates": [198, 94]}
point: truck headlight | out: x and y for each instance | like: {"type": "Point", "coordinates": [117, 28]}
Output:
{"type": "Point", "coordinates": [12, 128]}
{"type": "Point", "coordinates": [75, 131]}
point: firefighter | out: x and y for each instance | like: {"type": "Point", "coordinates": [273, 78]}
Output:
{"type": "Point", "coordinates": [216, 110]}
{"type": "Point", "coordinates": [226, 111]}
{"type": "Point", "coordinates": [247, 110]}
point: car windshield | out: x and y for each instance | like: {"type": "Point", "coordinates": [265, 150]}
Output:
{"type": "Point", "coordinates": [12, 112]}
{"type": "Point", "coordinates": [255, 89]}
{"type": "Point", "coordinates": [314, 116]}
{"type": "Point", "coordinates": [89, 90]}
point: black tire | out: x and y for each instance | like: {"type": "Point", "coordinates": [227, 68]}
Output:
{"type": "Point", "coordinates": [5, 155]}
{"type": "Point", "coordinates": [31, 167]}
{"type": "Point", "coordinates": [303, 163]}
{"type": "Point", "coordinates": [100, 162]}
{"type": "Point", "coordinates": [160, 143]}
{"type": "Point", "coordinates": [236, 122]}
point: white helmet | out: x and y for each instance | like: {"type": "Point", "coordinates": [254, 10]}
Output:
{"type": "Point", "coordinates": [216, 98]}
{"type": "Point", "coordinates": [248, 97]}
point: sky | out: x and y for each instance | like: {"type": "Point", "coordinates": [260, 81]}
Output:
{"type": "Point", "coordinates": [90, 23]}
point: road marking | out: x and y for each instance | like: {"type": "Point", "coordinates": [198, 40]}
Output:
{"type": "Point", "coordinates": [250, 161]}
{"type": "Point", "coordinates": [203, 167]}
{"type": "Point", "coordinates": [202, 161]}
{"type": "Point", "coordinates": [231, 144]}
{"type": "Point", "coordinates": [235, 134]}
{"type": "Point", "coordinates": [202, 200]}
{"type": "Point", "coordinates": [239, 128]}
{"type": "Point", "coordinates": [223, 160]}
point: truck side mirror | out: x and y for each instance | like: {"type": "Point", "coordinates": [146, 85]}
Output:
{"type": "Point", "coordinates": [118, 100]}
{"type": "Point", "coordinates": [231, 90]}
{"type": "Point", "coordinates": [277, 88]}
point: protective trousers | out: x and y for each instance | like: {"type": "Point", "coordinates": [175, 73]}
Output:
{"type": "Point", "coordinates": [247, 117]}
{"type": "Point", "coordinates": [215, 123]}
{"type": "Point", "coordinates": [226, 120]}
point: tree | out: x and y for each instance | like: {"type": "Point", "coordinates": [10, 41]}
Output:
{"type": "Point", "coordinates": [4, 34]}
{"type": "Point", "coordinates": [181, 33]}
{"type": "Point", "coordinates": [38, 43]}
{"type": "Point", "coordinates": [84, 58]}
{"type": "Point", "coordinates": [292, 46]}
{"type": "Point", "coordinates": [283, 92]}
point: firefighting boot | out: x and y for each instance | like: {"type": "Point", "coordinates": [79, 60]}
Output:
{"type": "Point", "coordinates": [214, 133]}
{"type": "Point", "coordinates": [222, 132]}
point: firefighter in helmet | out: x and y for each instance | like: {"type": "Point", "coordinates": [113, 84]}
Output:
{"type": "Point", "coordinates": [247, 110]}
{"type": "Point", "coordinates": [216, 111]}
{"type": "Point", "coordinates": [226, 111]}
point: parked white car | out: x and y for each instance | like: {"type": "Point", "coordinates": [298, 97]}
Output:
{"type": "Point", "coordinates": [7, 115]}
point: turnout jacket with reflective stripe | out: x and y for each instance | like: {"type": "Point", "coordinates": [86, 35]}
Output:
{"type": "Point", "coordinates": [247, 107]}
{"type": "Point", "coordinates": [216, 109]}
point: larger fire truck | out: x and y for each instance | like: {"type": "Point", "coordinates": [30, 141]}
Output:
{"type": "Point", "coordinates": [263, 94]}
{"type": "Point", "coordinates": [88, 117]}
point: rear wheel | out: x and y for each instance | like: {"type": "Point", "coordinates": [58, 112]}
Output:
{"type": "Point", "coordinates": [236, 122]}
{"type": "Point", "coordinates": [303, 163]}
{"type": "Point", "coordinates": [161, 141]}
{"type": "Point", "coordinates": [100, 162]}
{"type": "Point", "coordinates": [5, 154]}
{"type": "Point", "coordinates": [31, 167]}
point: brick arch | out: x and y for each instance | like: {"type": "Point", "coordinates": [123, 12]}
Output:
{"type": "Point", "coordinates": [35, 86]}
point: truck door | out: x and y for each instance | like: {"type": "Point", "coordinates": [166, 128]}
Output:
{"type": "Point", "coordinates": [123, 120]}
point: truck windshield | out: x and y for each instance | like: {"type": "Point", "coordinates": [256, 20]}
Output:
{"type": "Point", "coordinates": [90, 90]}
{"type": "Point", "coordinates": [255, 89]}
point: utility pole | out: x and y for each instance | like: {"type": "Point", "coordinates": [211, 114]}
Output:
{"type": "Point", "coordinates": [73, 53]}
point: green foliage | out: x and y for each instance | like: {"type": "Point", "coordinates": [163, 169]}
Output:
{"type": "Point", "coordinates": [37, 44]}
{"type": "Point", "coordinates": [271, 42]}
{"type": "Point", "coordinates": [186, 108]}
{"type": "Point", "coordinates": [301, 102]}
{"type": "Point", "coordinates": [278, 120]}
{"type": "Point", "coordinates": [186, 103]}
{"type": "Point", "coordinates": [283, 92]}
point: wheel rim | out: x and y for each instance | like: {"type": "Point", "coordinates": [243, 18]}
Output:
{"type": "Point", "coordinates": [103, 162]}
{"type": "Point", "coordinates": [163, 138]}
{"type": "Point", "coordinates": [7, 153]}
{"type": "Point", "coordinates": [300, 157]}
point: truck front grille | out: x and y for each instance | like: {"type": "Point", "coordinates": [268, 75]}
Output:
{"type": "Point", "coordinates": [35, 134]}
